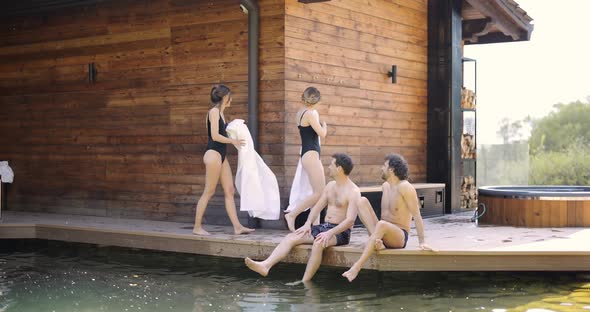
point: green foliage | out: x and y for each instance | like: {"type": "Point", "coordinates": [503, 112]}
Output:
{"type": "Point", "coordinates": [559, 150]}
{"type": "Point", "coordinates": [569, 124]}
{"type": "Point", "coordinates": [570, 166]}
{"type": "Point", "coordinates": [560, 145]}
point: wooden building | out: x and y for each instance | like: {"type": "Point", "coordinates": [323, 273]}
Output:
{"type": "Point", "coordinates": [103, 102]}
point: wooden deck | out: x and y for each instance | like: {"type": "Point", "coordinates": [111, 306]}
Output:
{"type": "Point", "coordinates": [460, 244]}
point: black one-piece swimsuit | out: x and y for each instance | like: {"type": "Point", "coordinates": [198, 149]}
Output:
{"type": "Point", "coordinates": [221, 148]}
{"type": "Point", "coordinates": [309, 138]}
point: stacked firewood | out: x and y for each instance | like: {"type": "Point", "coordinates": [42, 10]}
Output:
{"type": "Point", "coordinates": [468, 193]}
{"type": "Point", "coordinates": [467, 146]}
{"type": "Point", "coordinates": [467, 99]}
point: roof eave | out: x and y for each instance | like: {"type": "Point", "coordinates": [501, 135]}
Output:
{"type": "Point", "coordinates": [505, 22]}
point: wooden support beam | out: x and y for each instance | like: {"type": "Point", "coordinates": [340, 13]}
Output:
{"type": "Point", "coordinates": [444, 98]}
{"type": "Point", "coordinates": [495, 37]}
{"type": "Point", "coordinates": [473, 29]}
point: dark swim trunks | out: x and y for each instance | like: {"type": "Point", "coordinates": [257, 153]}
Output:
{"type": "Point", "coordinates": [405, 241]}
{"type": "Point", "coordinates": [405, 238]}
{"type": "Point", "coordinates": [341, 239]}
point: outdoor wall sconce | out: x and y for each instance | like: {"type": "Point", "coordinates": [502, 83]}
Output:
{"type": "Point", "coordinates": [91, 72]}
{"type": "Point", "coordinates": [312, 1]}
{"type": "Point", "coordinates": [393, 74]}
{"type": "Point", "coordinates": [244, 8]}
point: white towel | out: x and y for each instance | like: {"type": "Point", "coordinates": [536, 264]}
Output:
{"type": "Point", "coordinates": [300, 188]}
{"type": "Point", "coordinates": [6, 174]}
{"type": "Point", "coordinates": [255, 182]}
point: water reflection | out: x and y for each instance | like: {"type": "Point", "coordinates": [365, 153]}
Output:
{"type": "Point", "coordinates": [60, 277]}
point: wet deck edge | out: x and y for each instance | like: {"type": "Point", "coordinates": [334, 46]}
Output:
{"type": "Point", "coordinates": [389, 260]}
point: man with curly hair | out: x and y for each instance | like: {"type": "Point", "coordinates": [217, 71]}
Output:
{"type": "Point", "coordinates": [399, 204]}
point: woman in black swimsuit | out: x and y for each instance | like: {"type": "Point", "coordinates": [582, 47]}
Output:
{"type": "Point", "coordinates": [216, 166]}
{"type": "Point", "coordinates": [310, 128]}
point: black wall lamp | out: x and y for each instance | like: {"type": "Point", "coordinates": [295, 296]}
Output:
{"type": "Point", "coordinates": [91, 72]}
{"type": "Point", "coordinates": [393, 74]}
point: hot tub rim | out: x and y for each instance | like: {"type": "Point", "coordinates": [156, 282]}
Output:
{"type": "Point", "coordinates": [536, 192]}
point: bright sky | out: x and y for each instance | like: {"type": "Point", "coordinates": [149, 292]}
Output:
{"type": "Point", "coordinates": [527, 78]}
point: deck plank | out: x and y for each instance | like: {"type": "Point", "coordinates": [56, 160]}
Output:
{"type": "Point", "coordinates": [460, 244]}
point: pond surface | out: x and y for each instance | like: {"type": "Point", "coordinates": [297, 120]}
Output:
{"type": "Point", "coordinates": [52, 276]}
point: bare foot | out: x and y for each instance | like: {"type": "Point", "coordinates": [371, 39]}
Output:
{"type": "Point", "coordinates": [379, 245]}
{"type": "Point", "coordinates": [200, 231]}
{"type": "Point", "coordinates": [243, 230]}
{"type": "Point", "coordinates": [350, 274]}
{"type": "Point", "coordinates": [295, 283]}
{"type": "Point", "coordinates": [256, 266]}
{"type": "Point", "coordinates": [308, 284]}
{"type": "Point", "coordinates": [290, 218]}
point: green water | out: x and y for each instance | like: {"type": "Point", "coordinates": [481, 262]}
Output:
{"type": "Point", "coordinates": [51, 276]}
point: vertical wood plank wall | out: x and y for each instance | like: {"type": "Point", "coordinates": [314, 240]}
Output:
{"type": "Point", "coordinates": [345, 49]}
{"type": "Point", "coordinates": [131, 144]}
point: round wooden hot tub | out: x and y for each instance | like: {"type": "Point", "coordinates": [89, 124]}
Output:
{"type": "Point", "coordinates": [535, 206]}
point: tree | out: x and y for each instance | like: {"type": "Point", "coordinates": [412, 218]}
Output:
{"type": "Point", "coordinates": [568, 124]}
{"type": "Point", "coordinates": [510, 132]}
{"type": "Point", "coordinates": [560, 146]}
